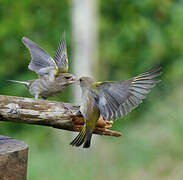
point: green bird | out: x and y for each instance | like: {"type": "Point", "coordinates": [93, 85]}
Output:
{"type": "Point", "coordinates": [111, 100]}
{"type": "Point", "coordinates": [52, 72]}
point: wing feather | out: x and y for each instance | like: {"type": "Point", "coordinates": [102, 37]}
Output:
{"type": "Point", "coordinates": [116, 99]}
{"type": "Point", "coordinates": [41, 61]}
{"type": "Point", "coordinates": [60, 57]}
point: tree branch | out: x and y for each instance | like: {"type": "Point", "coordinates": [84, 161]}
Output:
{"type": "Point", "coordinates": [47, 113]}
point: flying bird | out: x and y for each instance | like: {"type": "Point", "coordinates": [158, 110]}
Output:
{"type": "Point", "coordinates": [52, 72]}
{"type": "Point", "coordinates": [111, 100]}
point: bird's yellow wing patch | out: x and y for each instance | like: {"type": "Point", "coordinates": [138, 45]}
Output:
{"type": "Point", "coordinates": [55, 65]}
{"type": "Point", "coordinates": [96, 84]}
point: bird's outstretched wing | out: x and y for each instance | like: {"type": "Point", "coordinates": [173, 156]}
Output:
{"type": "Point", "coordinates": [116, 99]}
{"type": "Point", "coordinates": [41, 62]}
{"type": "Point", "coordinates": [60, 57]}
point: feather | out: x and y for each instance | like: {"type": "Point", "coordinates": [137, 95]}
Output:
{"type": "Point", "coordinates": [79, 139]}
{"type": "Point", "coordinates": [20, 82]}
{"type": "Point", "coordinates": [116, 99]}
{"type": "Point", "coordinates": [40, 59]}
{"type": "Point", "coordinates": [60, 57]}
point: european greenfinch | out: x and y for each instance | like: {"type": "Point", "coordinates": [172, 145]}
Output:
{"type": "Point", "coordinates": [53, 76]}
{"type": "Point", "coordinates": [111, 100]}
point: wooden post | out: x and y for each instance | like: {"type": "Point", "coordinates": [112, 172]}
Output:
{"type": "Point", "coordinates": [13, 159]}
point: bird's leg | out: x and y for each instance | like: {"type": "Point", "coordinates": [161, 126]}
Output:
{"type": "Point", "coordinates": [67, 107]}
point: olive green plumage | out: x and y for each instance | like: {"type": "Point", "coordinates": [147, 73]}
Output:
{"type": "Point", "coordinates": [111, 100]}
{"type": "Point", "coordinates": [53, 76]}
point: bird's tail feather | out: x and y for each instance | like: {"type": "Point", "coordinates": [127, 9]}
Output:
{"type": "Point", "coordinates": [87, 140]}
{"type": "Point", "coordinates": [79, 139]}
{"type": "Point", "coordinates": [20, 82]}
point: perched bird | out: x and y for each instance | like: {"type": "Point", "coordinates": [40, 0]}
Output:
{"type": "Point", "coordinates": [53, 76]}
{"type": "Point", "coordinates": [111, 100]}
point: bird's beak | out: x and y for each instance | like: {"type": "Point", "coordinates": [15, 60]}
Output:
{"type": "Point", "coordinates": [74, 79]}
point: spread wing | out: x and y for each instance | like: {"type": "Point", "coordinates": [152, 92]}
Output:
{"type": "Point", "coordinates": [116, 99]}
{"type": "Point", "coordinates": [60, 57]}
{"type": "Point", "coordinates": [41, 62]}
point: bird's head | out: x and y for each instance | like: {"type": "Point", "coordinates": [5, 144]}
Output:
{"type": "Point", "coordinates": [68, 78]}
{"type": "Point", "coordinates": [86, 82]}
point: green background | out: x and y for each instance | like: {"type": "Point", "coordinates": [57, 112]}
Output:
{"type": "Point", "coordinates": [133, 36]}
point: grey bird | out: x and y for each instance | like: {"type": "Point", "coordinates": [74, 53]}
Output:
{"type": "Point", "coordinates": [52, 72]}
{"type": "Point", "coordinates": [111, 100]}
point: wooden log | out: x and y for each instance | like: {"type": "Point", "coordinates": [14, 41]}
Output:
{"type": "Point", "coordinates": [47, 113]}
{"type": "Point", "coordinates": [13, 159]}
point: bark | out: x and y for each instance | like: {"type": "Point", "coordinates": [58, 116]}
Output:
{"type": "Point", "coordinates": [48, 113]}
{"type": "Point", "coordinates": [13, 159]}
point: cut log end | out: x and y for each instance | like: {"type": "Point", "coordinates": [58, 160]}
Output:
{"type": "Point", "coordinates": [13, 159]}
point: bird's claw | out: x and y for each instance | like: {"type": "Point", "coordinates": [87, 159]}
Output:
{"type": "Point", "coordinates": [77, 113]}
{"type": "Point", "coordinates": [67, 107]}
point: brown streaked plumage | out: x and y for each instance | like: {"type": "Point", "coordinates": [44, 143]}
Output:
{"type": "Point", "coordinates": [53, 76]}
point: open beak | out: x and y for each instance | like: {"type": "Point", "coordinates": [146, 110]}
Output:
{"type": "Point", "coordinates": [74, 79]}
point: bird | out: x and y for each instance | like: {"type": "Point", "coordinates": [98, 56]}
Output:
{"type": "Point", "coordinates": [111, 100]}
{"type": "Point", "coordinates": [53, 72]}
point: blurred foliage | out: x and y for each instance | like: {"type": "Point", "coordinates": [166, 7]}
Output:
{"type": "Point", "coordinates": [133, 37]}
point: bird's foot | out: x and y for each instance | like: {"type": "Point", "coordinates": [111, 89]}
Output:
{"type": "Point", "coordinates": [77, 113]}
{"type": "Point", "coordinates": [67, 107]}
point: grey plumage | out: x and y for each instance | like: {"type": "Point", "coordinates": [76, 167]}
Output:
{"type": "Point", "coordinates": [116, 99]}
{"type": "Point", "coordinates": [41, 62]}
{"type": "Point", "coordinates": [60, 57]}
{"type": "Point", "coordinates": [26, 83]}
